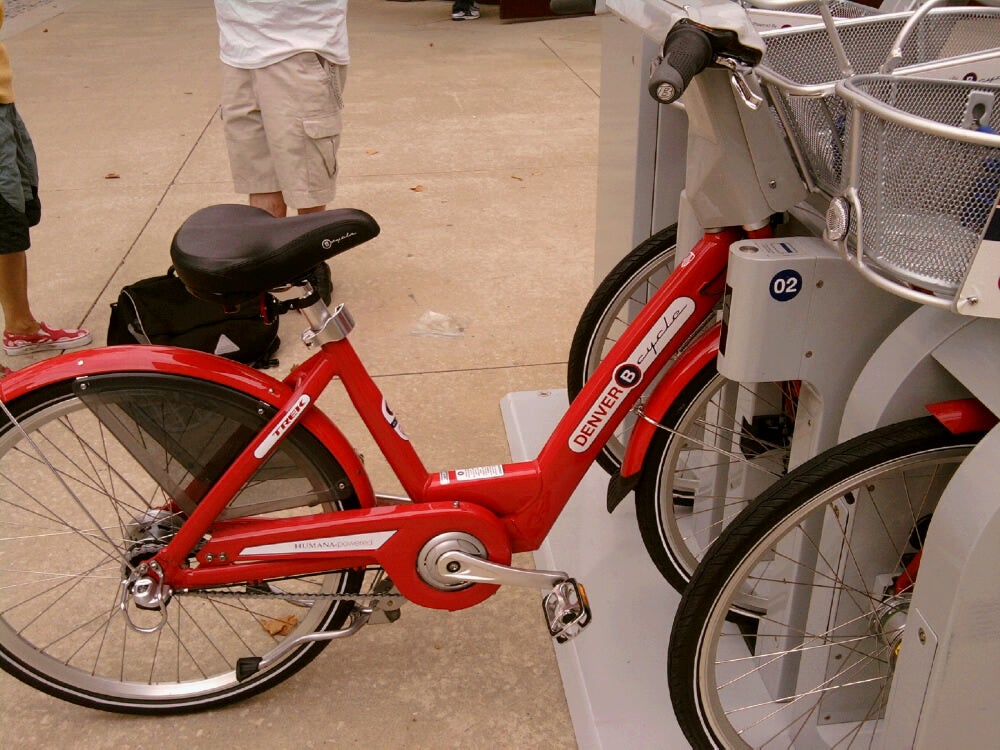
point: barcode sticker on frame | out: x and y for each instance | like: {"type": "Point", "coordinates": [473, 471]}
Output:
{"type": "Point", "coordinates": [479, 472]}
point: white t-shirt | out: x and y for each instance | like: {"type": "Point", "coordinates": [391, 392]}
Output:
{"type": "Point", "coordinates": [256, 33]}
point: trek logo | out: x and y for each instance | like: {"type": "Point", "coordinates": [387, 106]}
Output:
{"type": "Point", "coordinates": [327, 244]}
{"type": "Point", "coordinates": [630, 373]}
{"type": "Point", "coordinates": [286, 424]}
{"type": "Point", "coordinates": [390, 417]}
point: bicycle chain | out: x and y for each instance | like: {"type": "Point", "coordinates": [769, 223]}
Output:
{"type": "Point", "coordinates": [372, 600]}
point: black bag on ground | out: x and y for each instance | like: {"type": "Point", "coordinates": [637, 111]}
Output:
{"type": "Point", "coordinates": [160, 310]}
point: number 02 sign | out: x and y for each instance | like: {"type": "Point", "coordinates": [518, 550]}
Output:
{"type": "Point", "coordinates": [785, 285]}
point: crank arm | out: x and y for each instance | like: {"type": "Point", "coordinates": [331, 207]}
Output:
{"type": "Point", "coordinates": [461, 567]}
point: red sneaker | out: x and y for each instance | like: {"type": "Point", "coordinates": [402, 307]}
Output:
{"type": "Point", "coordinates": [47, 337]}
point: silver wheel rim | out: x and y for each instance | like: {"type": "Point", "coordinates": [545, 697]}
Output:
{"type": "Point", "coordinates": [59, 587]}
{"type": "Point", "coordinates": [844, 707]}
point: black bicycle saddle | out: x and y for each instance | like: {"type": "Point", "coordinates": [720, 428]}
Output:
{"type": "Point", "coordinates": [232, 253]}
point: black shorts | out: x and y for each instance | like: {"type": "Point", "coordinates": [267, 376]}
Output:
{"type": "Point", "coordinates": [14, 236]}
{"type": "Point", "coordinates": [20, 208]}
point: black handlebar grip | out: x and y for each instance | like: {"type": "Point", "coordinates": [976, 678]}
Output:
{"type": "Point", "coordinates": [687, 51]}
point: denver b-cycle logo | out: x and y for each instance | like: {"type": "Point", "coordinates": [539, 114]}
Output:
{"type": "Point", "coordinates": [630, 373]}
{"type": "Point", "coordinates": [628, 376]}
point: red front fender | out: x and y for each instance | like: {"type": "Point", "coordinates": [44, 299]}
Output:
{"type": "Point", "coordinates": [691, 361]}
{"type": "Point", "coordinates": [192, 364]}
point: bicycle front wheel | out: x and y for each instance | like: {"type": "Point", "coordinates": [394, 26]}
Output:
{"type": "Point", "coordinates": [720, 445]}
{"type": "Point", "coordinates": [97, 476]}
{"type": "Point", "coordinates": [818, 560]}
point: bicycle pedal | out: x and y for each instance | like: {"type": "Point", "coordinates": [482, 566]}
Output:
{"type": "Point", "coordinates": [566, 610]}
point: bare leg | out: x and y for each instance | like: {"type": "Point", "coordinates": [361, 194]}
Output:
{"type": "Point", "coordinates": [14, 294]}
{"type": "Point", "coordinates": [273, 203]}
{"type": "Point", "coordinates": [311, 210]}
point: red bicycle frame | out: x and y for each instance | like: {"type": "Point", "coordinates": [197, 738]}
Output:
{"type": "Point", "coordinates": [508, 508]}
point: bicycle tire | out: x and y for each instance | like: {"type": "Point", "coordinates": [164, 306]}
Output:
{"type": "Point", "coordinates": [74, 524]}
{"type": "Point", "coordinates": [613, 305]}
{"type": "Point", "coordinates": [719, 445]}
{"type": "Point", "coordinates": [821, 675]}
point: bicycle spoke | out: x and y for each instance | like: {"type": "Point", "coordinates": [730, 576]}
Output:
{"type": "Point", "coordinates": [85, 498]}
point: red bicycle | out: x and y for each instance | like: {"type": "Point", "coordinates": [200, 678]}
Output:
{"type": "Point", "coordinates": [181, 531]}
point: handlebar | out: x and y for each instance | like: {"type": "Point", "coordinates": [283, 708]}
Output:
{"type": "Point", "coordinates": [690, 48]}
{"type": "Point", "coordinates": [687, 51]}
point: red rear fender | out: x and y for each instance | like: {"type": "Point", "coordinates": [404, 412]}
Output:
{"type": "Point", "coordinates": [192, 364]}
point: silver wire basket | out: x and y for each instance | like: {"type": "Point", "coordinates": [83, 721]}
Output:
{"type": "Point", "coordinates": [802, 66]}
{"type": "Point", "coordinates": [838, 8]}
{"type": "Point", "coordinates": [918, 213]}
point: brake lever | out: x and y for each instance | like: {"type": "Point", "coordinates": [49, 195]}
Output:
{"type": "Point", "coordinates": [739, 79]}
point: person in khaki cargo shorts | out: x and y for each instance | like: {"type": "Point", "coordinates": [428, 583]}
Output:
{"type": "Point", "coordinates": [283, 73]}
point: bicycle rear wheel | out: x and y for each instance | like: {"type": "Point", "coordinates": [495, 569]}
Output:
{"type": "Point", "coordinates": [817, 560]}
{"type": "Point", "coordinates": [96, 476]}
